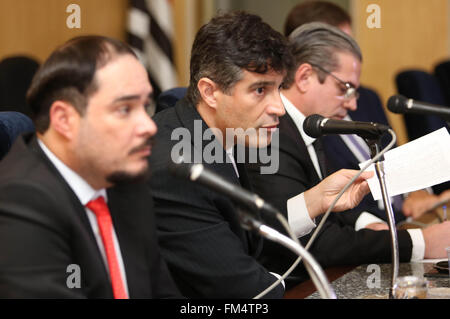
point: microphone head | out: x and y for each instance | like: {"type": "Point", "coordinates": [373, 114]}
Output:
{"type": "Point", "coordinates": [397, 104]}
{"type": "Point", "coordinates": [311, 125]}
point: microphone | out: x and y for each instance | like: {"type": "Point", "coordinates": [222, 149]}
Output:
{"type": "Point", "coordinates": [199, 173]}
{"type": "Point", "coordinates": [400, 104]}
{"type": "Point", "coordinates": [316, 125]}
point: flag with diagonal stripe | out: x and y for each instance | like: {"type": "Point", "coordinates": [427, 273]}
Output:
{"type": "Point", "coordinates": [150, 34]}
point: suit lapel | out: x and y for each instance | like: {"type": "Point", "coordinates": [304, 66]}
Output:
{"type": "Point", "coordinates": [81, 212]}
{"type": "Point", "coordinates": [75, 205]}
{"type": "Point", "coordinates": [321, 158]}
{"type": "Point", "coordinates": [255, 241]}
{"type": "Point", "coordinates": [292, 142]}
{"type": "Point", "coordinates": [121, 204]}
{"type": "Point", "coordinates": [187, 115]}
{"type": "Point", "coordinates": [191, 119]}
{"type": "Point", "coordinates": [125, 207]}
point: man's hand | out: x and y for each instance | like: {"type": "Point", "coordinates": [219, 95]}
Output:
{"type": "Point", "coordinates": [377, 226]}
{"type": "Point", "coordinates": [437, 238]}
{"type": "Point", "coordinates": [419, 202]}
{"type": "Point", "coordinates": [319, 198]}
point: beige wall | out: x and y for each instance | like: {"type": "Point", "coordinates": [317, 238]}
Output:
{"type": "Point", "coordinates": [36, 27]}
{"type": "Point", "coordinates": [413, 34]}
{"type": "Point", "coordinates": [274, 12]}
{"type": "Point", "coordinates": [189, 17]}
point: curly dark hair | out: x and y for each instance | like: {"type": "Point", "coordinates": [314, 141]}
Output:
{"type": "Point", "coordinates": [233, 42]}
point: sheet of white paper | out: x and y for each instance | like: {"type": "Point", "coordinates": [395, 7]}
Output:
{"type": "Point", "coordinates": [418, 164]}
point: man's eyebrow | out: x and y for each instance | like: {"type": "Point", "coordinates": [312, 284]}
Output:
{"type": "Point", "coordinates": [262, 83]}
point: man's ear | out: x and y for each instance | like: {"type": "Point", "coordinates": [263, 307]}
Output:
{"type": "Point", "coordinates": [208, 90]}
{"type": "Point", "coordinates": [64, 118]}
{"type": "Point", "coordinates": [303, 77]}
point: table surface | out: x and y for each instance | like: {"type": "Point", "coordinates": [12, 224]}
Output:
{"type": "Point", "coordinates": [353, 282]}
{"type": "Point", "coordinates": [361, 283]}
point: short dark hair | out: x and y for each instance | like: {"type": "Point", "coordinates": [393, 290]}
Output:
{"type": "Point", "coordinates": [311, 11]}
{"type": "Point", "coordinates": [230, 43]}
{"type": "Point", "coordinates": [69, 74]}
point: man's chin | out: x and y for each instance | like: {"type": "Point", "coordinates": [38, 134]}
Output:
{"type": "Point", "coordinates": [339, 117]}
{"type": "Point", "coordinates": [259, 143]}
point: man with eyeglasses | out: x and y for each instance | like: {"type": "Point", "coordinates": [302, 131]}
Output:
{"type": "Point", "coordinates": [324, 81]}
{"type": "Point", "coordinates": [348, 90]}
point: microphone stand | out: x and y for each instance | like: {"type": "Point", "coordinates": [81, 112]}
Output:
{"type": "Point", "coordinates": [319, 278]}
{"type": "Point", "coordinates": [374, 146]}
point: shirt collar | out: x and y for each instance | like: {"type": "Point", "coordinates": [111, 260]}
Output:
{"type": "Point", "coordinates": [80, 187]}
{"type": "Point", "coordinates": [298, 119]}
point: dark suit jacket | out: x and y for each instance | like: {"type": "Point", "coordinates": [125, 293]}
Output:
{"type": "Point", "coordinates": [340, 156]}
{"type": "Point", "coordinates": [207, 251]}
{"type": "Point", "coordinates": [338, 243]}
{"type": "Point", "coordinates": [44, 229]}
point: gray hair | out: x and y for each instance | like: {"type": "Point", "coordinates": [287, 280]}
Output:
{"type": "Point", "coordinates": [317, 43]}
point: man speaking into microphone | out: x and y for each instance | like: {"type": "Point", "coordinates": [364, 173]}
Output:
{"type": "Point", "coordinates": [238, 64]}
{"type": "Point", "coordinates": [324, 81]}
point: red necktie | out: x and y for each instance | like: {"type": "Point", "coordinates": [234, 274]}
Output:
{"type": "Point", "coordinates": [100, 209]}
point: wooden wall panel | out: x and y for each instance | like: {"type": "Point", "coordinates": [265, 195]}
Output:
{"type": "Point", "coordinates": [413, 34]}
{"type": "Point", "coordinates": [188, 19]}
{"type": "Point", "coordinates": [36, 27]}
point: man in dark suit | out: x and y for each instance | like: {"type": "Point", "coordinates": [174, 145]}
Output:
{"type": "Point", "coordinates": [324, 81]}
{"type": "Point", "coordinates": [346, 151]}
{"type": "Point", "coordinates": [76, 217]}
{"type": "Point", "coordinates": [238, 64]}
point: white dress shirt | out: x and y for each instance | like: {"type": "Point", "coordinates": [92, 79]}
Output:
{"type": "Point", "coordinates": [85, 194]}
{"type": "Point", "coordinates": [363, 220]}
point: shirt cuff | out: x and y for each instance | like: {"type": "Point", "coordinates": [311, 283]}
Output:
{"type": "Point", "coordinates": [418, 244]}
{"type": "Point", "coordinates": [298, 216]}
{"type": "Point", "coordinates": [365, 219]}
{"type": "Point", "coordinates": [278, 277]}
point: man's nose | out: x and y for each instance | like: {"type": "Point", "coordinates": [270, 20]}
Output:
{"type": "Point", "coordinates": [351, 104]}
{"type": "Point", "coordinates": [277, 107]}
{"type": "Point", "coordinates": [146, 125]}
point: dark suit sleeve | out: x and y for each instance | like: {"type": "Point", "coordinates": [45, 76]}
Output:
{"type": "Point", "coordinates": [34, 255]}
{"type": "Point", "coordinates": [206, 250]}
{"type": "Point", "coordinates": [197, 231]}
{"type": "Point", "coordinates": [162, 283]}
{"type": "Point", "coordinates": [163, 286]}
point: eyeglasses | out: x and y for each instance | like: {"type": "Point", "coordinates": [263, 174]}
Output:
{"type": "Point", "coordinates": [350, 90]}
